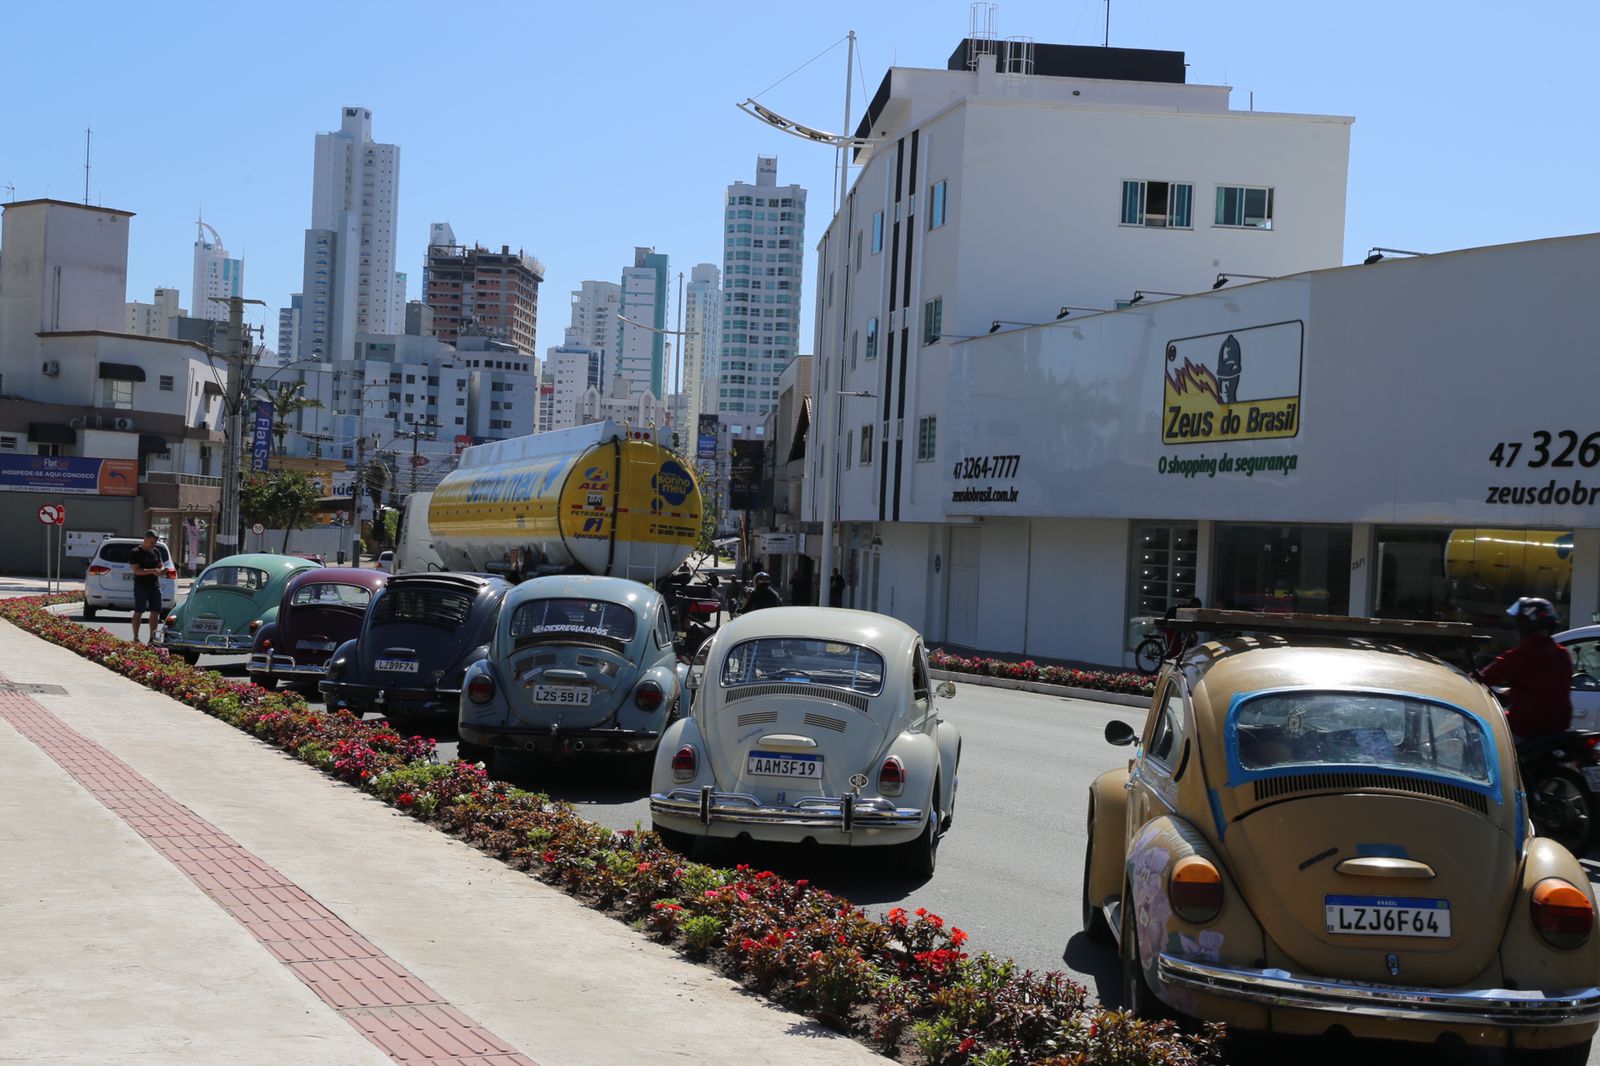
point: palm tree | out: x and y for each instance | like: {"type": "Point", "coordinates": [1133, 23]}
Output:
{"type": "Point", "coordinates": [288, 399]}
{"type": "Point", "coordinates": [375, 479]}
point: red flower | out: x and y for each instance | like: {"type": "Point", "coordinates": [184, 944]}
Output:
{"type": "Point", "coordinates": [549, 856]}
{"type": "Point", "coordinates": [966, 1045]}
{"type": "Point", "coordinates": [957, 937]}
{"type": "Point", "coordinates": [406, 799]}
{"type": "Point", "coordinates": [642, 867]}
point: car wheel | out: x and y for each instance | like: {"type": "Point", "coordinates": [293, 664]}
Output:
{"type": "Point", "coordinates": [1571, 1055]}
{"type": "Point", "coordinates": [673, 839]}
{"type": "Point", "coordinates": [919, 857]}
{"type": "Point", "coordinates": [475, 753]}
{"type": "Point", "coordinates": [1094, 919]}
{"type": "Point", "coordinates": [1137, 998]}
{"type": "Point", "coordinates": [89, 611]}
{"type": "Point", "coordinates": [190, 657]}
{"type": "Point", "coordinates": [1563, 812]}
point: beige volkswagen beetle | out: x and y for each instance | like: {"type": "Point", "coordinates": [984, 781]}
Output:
{"type": "Point", "coordinates": [1320, 833]}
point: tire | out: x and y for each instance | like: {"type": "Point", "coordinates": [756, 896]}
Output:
{"type": "Point", "coordinates": [919, 857]}
{"type": "Point", "coordinates": [1147, 657]}
{"type": "Point", "coordinates": [469, 752]}
{"type": "Point", "coordinates": [673, 839]}
{"type": "Point", "coordinates": [1094, 919]}
{"type": "Point", "coordinates": [190, 657]}
{"type": "Point", "coordinates": [1571, 1055]}
{"type": "Point", "coordinates": [1137, 998]}
{"type": "Point", "coordinates": [1567, 801]}
{"type": "Point", "coordinates": [89, 612]}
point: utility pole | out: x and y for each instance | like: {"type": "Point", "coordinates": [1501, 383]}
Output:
{"type": "Point", "coordinates": [238, 367]}
{"type": "Point", "coordinates": [416, 434]}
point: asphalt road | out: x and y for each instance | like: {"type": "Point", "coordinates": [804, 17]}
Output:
{"type": "Point", "coordinates": [1010, 869]}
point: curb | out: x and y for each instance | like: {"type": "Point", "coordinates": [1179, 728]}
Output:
{"type": "Point", "coordinates": [1068, 691]}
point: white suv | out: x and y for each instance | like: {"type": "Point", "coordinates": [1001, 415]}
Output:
{"type": "Point", "coordinates": [109, 583]}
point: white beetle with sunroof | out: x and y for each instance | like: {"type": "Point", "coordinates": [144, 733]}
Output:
{"type": "Point", "coordinates": [811, 723]}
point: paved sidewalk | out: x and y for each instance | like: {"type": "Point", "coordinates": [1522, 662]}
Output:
{"type": "Point", "coordinates": [176, 892]}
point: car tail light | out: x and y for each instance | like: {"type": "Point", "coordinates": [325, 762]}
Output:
{"type": "Point", "coordinates": [172, 573]}
{"type": "Point", "coordinates": [172, 619]}
{"type": "Point", "coordinates": [684, 764]}
{"type": "Point", "coordinates": [98, 571]}
{"type": "Point", "coordinates": [892, 777]}
{"type": "Point", "coordinates": [1195, 889]}
{"type": "Point", "coordinates": [255, 624]}
{"type": "Point", "coordinates": [1561, 913]}
{"type": "Point", "coordinates": [266, 645]}
{"type": "Point", "coordinates": [481, 689]}
{"type": "Point", "coordinates": [648, 696]}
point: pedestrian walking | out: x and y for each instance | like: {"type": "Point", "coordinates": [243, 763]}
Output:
{"type": "Point", "coordinates": [146, 565]}
{"type": "Point", "coordinates": [836, 589]}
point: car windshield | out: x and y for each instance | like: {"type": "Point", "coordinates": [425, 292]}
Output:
{"type": "Point", "coordinates": [122, 552]}
{"type": "Point", "coordinates": [331, 594]}
{"type": "Point", "coordinates": [557, 619]}
{"type": "Point", "coordinates": [1396, 732]}
{"type": "Point", "coordinates": [240, 578]}
{"type": "Point", "coordinates": [806, 661]}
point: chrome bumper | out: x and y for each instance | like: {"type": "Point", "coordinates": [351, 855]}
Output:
{"type": "Point", "coordinates": [813, 812]}
{"type": "Point", "coordinates": [284, 666]}
{"type": "Point", "coordinates": [210, 643]}
{"type": "Point", "coordinates": [1502, 1007]}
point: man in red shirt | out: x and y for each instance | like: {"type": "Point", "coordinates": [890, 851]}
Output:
{"type": "Point", "coordinates": [1538, 673]}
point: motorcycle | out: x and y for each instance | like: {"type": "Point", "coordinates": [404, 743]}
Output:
{"type": "Point", "coordinates": [1561, 775]}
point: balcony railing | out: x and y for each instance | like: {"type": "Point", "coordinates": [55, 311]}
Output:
{"type": "Point", "coordinates": [168, 477]}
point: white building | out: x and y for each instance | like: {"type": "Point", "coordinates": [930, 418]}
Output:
{"type": "Point", "coordinates": [641, 351]}
{"type": "Point", "coordinates": [349, 273]}
{"type": "Point", "coordinates": [570, 371]}
{"type": "Point", "coordinates": [217, 276]}
{"type": "Point", "coordinates": [289, 329]}
{"type": "Point", "coordinates": [640, 411]}
{"type": "Point", "coordinates": [593, 323]}
{"type": "Point", "coordinates": [702, 324]}
{"type": "Point", "coordinates": [762, 258]}
{"type": "Point", "coordinates": [150, 319]}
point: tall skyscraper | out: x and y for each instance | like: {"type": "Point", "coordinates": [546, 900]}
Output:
{"type": "Point", "coordinates": [702, 325]}
{"type": "Point", "coordinates": [215, 275]}
{"type": "Point", "coordinates": [289, 329]}
{"type": "Point", "coordinates": [350, 248]}
{"type": "Point", "coordinates": [593, 324]}
{"type": "Point", "coordinates": [763, 250]}
{"type": "Point", "coordinates": [640, 352]}
{"type": "Point", "coordinates": [476, 292]}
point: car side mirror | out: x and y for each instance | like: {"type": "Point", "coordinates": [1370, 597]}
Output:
{"type": "Point", "coordinates": [945, 690]}
{"type": "Point", "coordinates": [1120, 733]}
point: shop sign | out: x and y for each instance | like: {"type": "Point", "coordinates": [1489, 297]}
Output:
{"type": "Point", "coordinates": [69, 474]}
{"type": "Point", "coordinates": [745, 474]}
{"type": "Point", "coordinates": [261, 436]}
{"type": "Point", "coordinates": [779, 544]}
{"type": "Point", "coordinates": [1240, 385]}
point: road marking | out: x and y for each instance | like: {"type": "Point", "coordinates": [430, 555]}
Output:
{"type": "Point", "coordinates": [395, 1010]}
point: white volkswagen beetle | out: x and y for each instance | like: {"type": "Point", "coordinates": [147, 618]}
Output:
{"type": "Point", "coordinates": [811, 723]}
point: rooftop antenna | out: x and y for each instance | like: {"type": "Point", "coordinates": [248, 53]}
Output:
{"type": "Point", "coordinates": [87, 132]}
{"type": "Point", "coordinates": [11, 192]}
{"type": "Point", "coordinates": [1108, 24]}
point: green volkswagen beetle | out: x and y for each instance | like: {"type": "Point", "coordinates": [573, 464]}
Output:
{"type": "Point", "coordinates": [228, 602]}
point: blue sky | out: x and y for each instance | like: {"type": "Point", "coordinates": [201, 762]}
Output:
{"type": "Point", "coordinates": [577, 131]}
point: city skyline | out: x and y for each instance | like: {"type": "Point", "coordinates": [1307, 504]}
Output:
{"type": "Point", "coordinates": [1405, 88]}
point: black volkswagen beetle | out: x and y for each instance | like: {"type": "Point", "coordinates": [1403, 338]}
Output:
{"type": "Point", "coordinates": [419, 636]}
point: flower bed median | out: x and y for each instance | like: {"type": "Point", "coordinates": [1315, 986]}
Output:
{"type": "Point", "coordinates": [903, 983]}
{"type": "Point", "coordinates": [1125, 682]}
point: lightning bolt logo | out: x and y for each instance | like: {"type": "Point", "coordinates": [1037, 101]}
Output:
{"type": "Point", "coordinates": [1196, 376]}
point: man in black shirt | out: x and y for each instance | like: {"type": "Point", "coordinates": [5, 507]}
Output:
{"type": "Point", "coordinates": [763, 595]}
{"type": "Point", "coordinates": [147, 568]}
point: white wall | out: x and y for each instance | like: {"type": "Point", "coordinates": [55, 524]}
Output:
{"type": "Point", "coordinates": [1077, 586]}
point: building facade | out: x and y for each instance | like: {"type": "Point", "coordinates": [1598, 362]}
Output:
{"type": "Point", "coordinates": [289, 329]}
{"type": "Point", "coordinates": [150, 319]}
{"type": "Point", "coordinates": [702, 340]}
{"type": "Point", "coordinates": [350, 274]}
{"type": "Point", "coordinates": [640, 352]}
{"type": "Point", "coordinates": [474, 291]}
{"type": "Point", "coordinates": [217, 276]}
{"type": "Point", "coordinates": [762, 259]}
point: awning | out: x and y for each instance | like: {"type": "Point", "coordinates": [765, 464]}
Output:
{"type": "Point", "coordinates": [151, 443]}
{"type": "Point", "coordinates": [51, 433]}
{"type": "Point", "coordinates": [211, 388]}
{"type": "Point", "coordinates": [121, 372]}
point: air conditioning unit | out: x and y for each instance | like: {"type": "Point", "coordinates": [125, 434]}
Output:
{"type": "Point", "coordinates": [123, 424]}
{"type": "Point", "coordinates": [51, 368]}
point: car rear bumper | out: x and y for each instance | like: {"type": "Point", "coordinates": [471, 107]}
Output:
{"type": "Point", "coordinates": [1500, 1007]}
{"type": "Point", "coordinates": [546, 740]}
{"type": "Point", "coordinates": [396, 699]}
{"type": "Point", "coordinates": [210, 643]}
{"type": "Point", "coordinates": [845, 813]}
{"type": "Point", "coordinates": [285, 666]}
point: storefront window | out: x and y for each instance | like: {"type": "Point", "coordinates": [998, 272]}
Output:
{"type": "Point", "coordinates": [1469, 575]}
{"type": "Point", "coordinates": [1283, 569]}
{"type": "Point", "coordinates": [1163, 567]}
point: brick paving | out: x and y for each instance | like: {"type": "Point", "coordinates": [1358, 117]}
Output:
{"type": "Point", "coordinates": [396, 1011]}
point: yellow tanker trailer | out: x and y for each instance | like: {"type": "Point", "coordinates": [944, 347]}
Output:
{"type": "Point", "coordinates": [589, 499]}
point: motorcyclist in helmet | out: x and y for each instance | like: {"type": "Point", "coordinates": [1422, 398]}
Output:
{"type": "Point", "coordinates": [1537, 672]}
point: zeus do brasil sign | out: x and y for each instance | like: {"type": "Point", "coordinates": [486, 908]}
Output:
{"type": "Point", "coordinates": [1236, 386]}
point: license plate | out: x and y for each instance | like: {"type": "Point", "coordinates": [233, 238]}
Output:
{"type": "Point", "coordinates": [398, 666]}
{"type": "Point", "coordinates": [206, 625]}
{"type": "Point", "coordinates": [1387, 916]}
{"type": "Point", "coordinates": [777, 764]}
{"type": "Point", "coordinates": [315, 645]}
{"type": "Point", "coordinates": [562, 695]}
{"type": "Point", "coordinates": [1591, 777]}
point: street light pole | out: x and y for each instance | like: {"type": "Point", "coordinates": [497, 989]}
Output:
{"type": "Point", "coordinates": [830, 485]}
{"type": "Point", "coordinates": [238, 369]}
{"type": "Point", "coordinates": [416, 436]}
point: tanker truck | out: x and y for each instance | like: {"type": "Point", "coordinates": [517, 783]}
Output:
{"type": "Point", "coordinates": [592, 499]}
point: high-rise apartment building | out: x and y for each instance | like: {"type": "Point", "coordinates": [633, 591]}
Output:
{"type": "Point", "coordinates": [702, 326]}
{"type": "Point", "coordinates": [594, 325]}
{"type": "Point", "coordinates": [476, 292]}
{"type": "Point", "coordinates": [640, 351]}
{"type": "Point", "coordinates": [289, 329]}
{"type": "Point", "coordinates": [763, 252]}
{"type": "Point", "coordinates": [350, 248]}
{"type": "Point", "coordinates": [216, 276]}
{"type": "Point", "coordinates": [150, 319]}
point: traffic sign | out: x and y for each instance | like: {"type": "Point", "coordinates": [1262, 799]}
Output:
{"type": "Point", "coordinates": [258, 529]}
{"type": "Point", "coordinates": [53, 514]}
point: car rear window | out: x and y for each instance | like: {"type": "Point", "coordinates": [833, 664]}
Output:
{"type": "Point", "coordinates": [247, 578]}
{"type": "Point", "coordinates": [806, 661]}
{"type": "Point", "coordinates": [440, 605]}
{"type": "Point", "coordinates": [1395, 732]}
{"type": "Point", "coordinates": [553, 619]}
{"type": "Point", "coordinates": [121, 551]}
{"type": "Point", "coordinates": [331, 594]}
